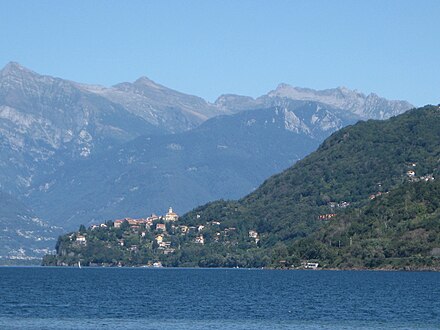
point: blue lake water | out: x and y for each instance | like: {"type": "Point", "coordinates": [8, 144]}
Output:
{"type": "Point", "coordinates": [107, 298]}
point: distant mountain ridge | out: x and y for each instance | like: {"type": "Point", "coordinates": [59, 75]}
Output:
{"type": "Point", "coordinates": [359, 105]}
{"type": "Point", "coordinates": [165, 108]}
{"type": "Point", "coordinates": [225, 157]}
{"type": "Point", "coordinates": [46, 122]}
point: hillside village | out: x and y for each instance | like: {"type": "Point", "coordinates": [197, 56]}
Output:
{"type": "Point", "coordinates": [143, 241]}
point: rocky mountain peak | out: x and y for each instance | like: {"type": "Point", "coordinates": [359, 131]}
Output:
{"type": "Point", "coordinates": [305, 94]}
{"type": "Point", "coordinates": [15, 69]}
{"type": "Point", "coordinates": [365, 107]}
{"type": "Point", "coordinates": [235, 102]}
{"type": "Point", "coordinates": [145, 81]}
{"type": "Point", "coordinates": [346, 90]}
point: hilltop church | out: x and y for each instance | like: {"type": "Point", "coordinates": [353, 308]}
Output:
{"type": "Point", "coordinates": [171, 216]}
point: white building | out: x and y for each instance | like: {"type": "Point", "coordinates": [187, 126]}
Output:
{"type": "Point", "coordinates": [171, 216]}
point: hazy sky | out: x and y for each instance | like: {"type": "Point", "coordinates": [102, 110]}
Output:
{"type": "Point", "coordinates": [208, 48]}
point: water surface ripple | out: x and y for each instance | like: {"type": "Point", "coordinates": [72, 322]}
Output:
{"type": "Point", "coordinates": [133, 298]}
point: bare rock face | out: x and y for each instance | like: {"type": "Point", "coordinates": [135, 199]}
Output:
{"type": "Point", "coordinates": [163, 107]}
{"type": "Point", "coordinates": [360, 105]}
{"type": "Point", "coordinates": [351, 102]}
{"type": "Point", "coordinates": [46, 122]}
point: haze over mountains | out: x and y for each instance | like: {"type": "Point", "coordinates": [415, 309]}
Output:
{"type": "Point", "coordinates": [352, 102]}
{"type": "Point", "coordinates": [75, 153]}
{"type": "Point", "coordinates": [22, 233]}
{"type": "Point", "coordinates": [225, 157]}
{"type": "Point", "coordinates": [164, 108]}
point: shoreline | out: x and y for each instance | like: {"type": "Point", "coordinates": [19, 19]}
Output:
{"type": "Point", "coordinates": [333, 269]}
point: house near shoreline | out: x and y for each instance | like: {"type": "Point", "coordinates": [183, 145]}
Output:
{"type": "Point", "coordinates": [311, 265]}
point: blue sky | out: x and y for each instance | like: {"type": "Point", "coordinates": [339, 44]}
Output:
{"type": "Point", "coordinates": [208, 48]}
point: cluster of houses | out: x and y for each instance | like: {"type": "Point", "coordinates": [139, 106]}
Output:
{"type": "Point", "coordinates": [169, 216]}
{"type": "Point", "coordinates": [162, 237]}
{"type": "Point", "coordinates": [411, 174]}
{"type": "Point", "coordinates": [135, 224]}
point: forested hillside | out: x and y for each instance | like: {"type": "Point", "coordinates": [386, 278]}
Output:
{"type": "Point", "coordinates": [352, 164]}
{"type": "Point", "coordinates": [396, 230]}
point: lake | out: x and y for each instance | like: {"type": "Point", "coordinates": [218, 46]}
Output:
{"type": "Point", "coordinates": [133, 298]}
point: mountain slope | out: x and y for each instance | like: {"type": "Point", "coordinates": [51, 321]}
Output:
{"type": "Point", "coordinates": [226, 157]}
{"type": "Point", "coordinates": [400, 229]}
{"type": "Point", "coordinates": [355, 163]}
{"type": "Point", "coordinates": [24, 236]}
{"type": "Point", "coordinates": [163, 107]}
{"type": "Point", "coordinates": [46, 122]}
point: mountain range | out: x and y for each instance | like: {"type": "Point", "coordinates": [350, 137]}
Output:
{"type": "Point", "coordinates": [225, 157]}
{"type": "Point", "coordinates": [76, 153]}
{"type": "Point", "coordinates": [351, 102]}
